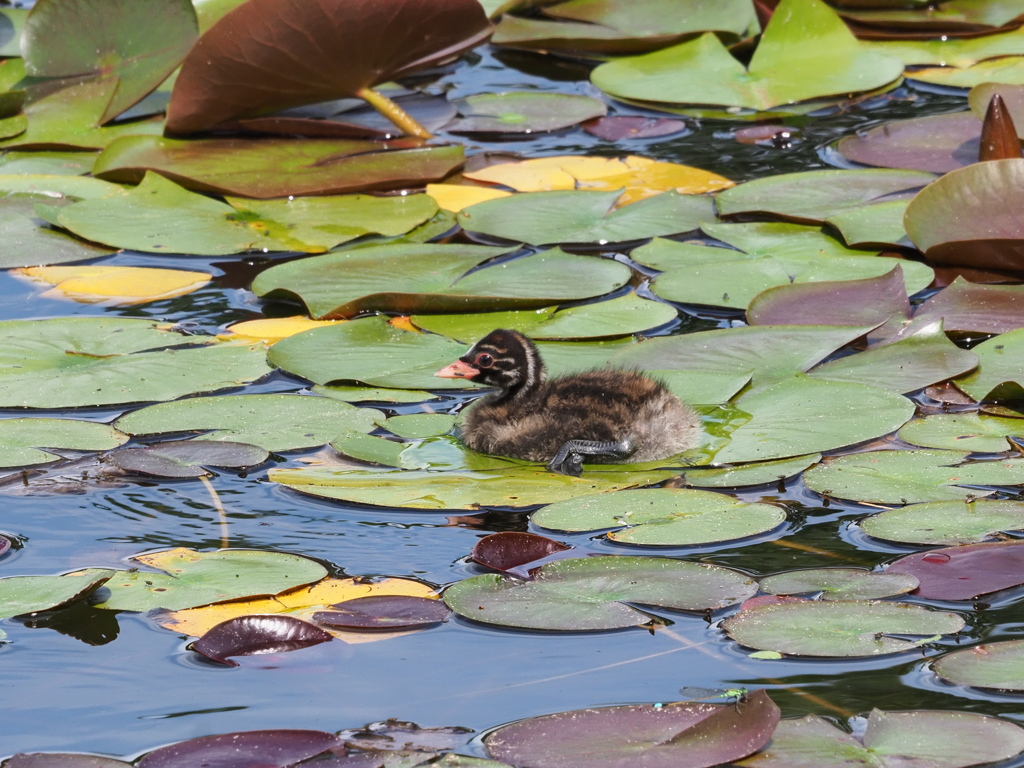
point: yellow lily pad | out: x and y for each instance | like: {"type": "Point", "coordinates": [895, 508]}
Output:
{"type": "Point", "coordinates": [115, 285]}
{"type": "Point", "coordinates": [301, 603]}
{"type": "Point", "coordinates": [455, 197]}
{"type": "Point", "coordinates": [272, 329]}
{"type": "Point", "coordinates": [640, 177]}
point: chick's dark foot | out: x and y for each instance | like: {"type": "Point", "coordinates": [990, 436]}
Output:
{"type": "Point", "coordinates": [569, 459]}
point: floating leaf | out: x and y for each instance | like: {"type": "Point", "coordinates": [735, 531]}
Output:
{"type": "Point", "coordinates": [814, 196]}
{"type": "Point", "coordinates": [585, 594]}
{"type": "Point", "coordinates": [523, 112]}
{"type": "Point", "coordinates": [388, 612]}
{"type": "Point", "coordinates": [966, 571]}
{"type": "Point", "coordinates": [946, 522]}
{"type": "Point", "coordinates": [583, 216]}
{"type": "Point", "coordinates": [992, 665]}
{"type": "Point", "coordinates": [935, 143]}
{"type": "Point", "coordinates": [32, 594]}
{"type": "Point", "coordinates": [137, 42]}
{"type": "Point", "coordinates": [62, 760]}
{"type": "Point", "coordinates": [664, 516]}
{"type": "Point", "coordinates": [255, 635]}
{"type": "Point", "coordinates": [677, 735]}
{"type": "Point", "coordinates": [940, 739]}
{"type": "Point", "coordinates": [785, 68]}
{"type": "Point", "coordinates": [999, 363]}
{"type": "Point", "coordinates": [839, 583]}
{"type": "Point", "coordinates": [455, 197]}
{"type": "Point", "coordinates": [300, 166]}
{"type": "Point", "coordinates": [1005, 69]}
{"type": "Point", "coordinates": [615, 317]}
{"type": "Point", "coordinates": [270, 330]}
{"type": "Point", "coordinates": [271, 749]}
{"type": "Point", "coordinates": [29, 241]}
{"type": "Point", "coordinates": [193, 578]}
{"type": "Point", "coordinates": [904, 477]}
{"type": "Point", "coordinates": [186, 458]}
{"type": "Point", "coordinates": [85, 361]}
{"type": "Point", "coordinates": [21, 440]}
{"type": "Point", "coordinates": [116, 285]}
{"type": "Point", "coordinates": [419, 425]}
{"type": "Point", "coordinates": [374, 394]}
{"type": "Point", "coordinates": [976, 308]}
{"type": "Point", "coordinates": [510, 550]}
{"type": "Point", "coordinates": [837, 628]}
{"type": "Point", "coordinates": [802, 415]}
{"type": "Point", "coordinates": [619, 127]}
{"type": "Point", "coordinates": [970, 216]}
{"type": "Point", "coordinates": [301, 603]}
{"type": "Point", "coordinates": [962, 432]}
{"type": "Point", "coordinates": [277, 422]}
{"type": "Point", "coordinates": [750, 474]}
{"type": "Point", "coordinates": [277, 54]}
{"type": "Point", "coordinates": [423, 278]}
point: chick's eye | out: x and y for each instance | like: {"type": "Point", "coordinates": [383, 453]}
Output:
{"type": "Point", "coordinates": [483, 360]}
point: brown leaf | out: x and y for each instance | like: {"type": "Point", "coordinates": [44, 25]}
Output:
{"type": "Point", "coordinates": [998, 134]}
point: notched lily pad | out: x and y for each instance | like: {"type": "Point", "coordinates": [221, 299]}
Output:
{"type": "Point", "coordinates": [839, 583]}
{"type": "Point", "coordinates": [22, 440]}
{"type": "Point", "coordinates": [32, 594]}
{"type": "Point", "coordinates": [962, 432]}
{"type": "Point", "coordinates": [186, 458]}
{"type": "Point", "coordinates": [991, 665]}
{"type": "Point", "coordinates": [256, 635]}
{"type": "Point", "coordinates": [964, 572]}
{"type": "Point", "coordinates": [946, 522]}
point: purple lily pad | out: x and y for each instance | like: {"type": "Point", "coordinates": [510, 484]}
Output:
{"type": "Point", "coordinates": [621, 127]}
{"type": "Point", "coordinates": [246, 749]}
{"type": "Point", "coordinates": [975, 308]}
{"type": "Point", "coordinates": [692, 735]}
{"type": "Point", "coordinates": [386, 612]}
{"type": "Point", "coordinates": [255, 635]}
{"type": "Point", "coordinates": [510, 549]}
{"type": "Point", "coordinates": [186, 458]}
{"type": "Point", "coordinates": [938, 143]}
{"type": "Point", "coordinates": [5, 544]}
{"type": "Point", "coordinates": [964, 572]}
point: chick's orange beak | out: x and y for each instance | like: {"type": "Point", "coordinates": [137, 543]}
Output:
{"type": "Point", "coordinates": [458, 370]}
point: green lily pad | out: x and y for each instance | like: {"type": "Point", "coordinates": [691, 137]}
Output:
{"type": "Point", "coordinates": [47, 163]}
{"type": "Point", "coordinates": [946, 522]}
{"type": "Point", "coordinates": [621, 316]}
{"type": "Point", "coordinates": [158, 216]}
{"type": "Point", "coordinates": [938, 739]}
{"type": "Point", "coordinates": [278, 167]}
{"type": "Point", "coordinates": [844, 628]}
{"type": "Point", "coordinates": [517, 486]}
{"type": "Point", "coordinates": [54, 186]}
{"type": "Point", "coordinates": [814, 196]}
{"type": "Point", "coordinates": [1000, 372]}
{"type": "Point", "coordinates": [374, 450]}
{"type": "Point", "coordinates": [879, 224]}
{"type": "Point", "coordinates": [419, 425]}
{"type": "Point", "coordinates": [952, 16]}
{"type": "Point", "coordinates": [31, 594]}
{"type": "Point", "coordinates": [904, 477]}
{"type": "Point", "coordinates": [31, 242]}
{"type": "Point", "coordinates": [276, 422]}
{"type": "Point", "coordinates": [970, 216]}
{"type": "Point", "coordinates": [137, 42]}
{"type": "Point", "coordinates": [664, 516]}
{"type": "Point", "coordinates": [769, 353]}
{"type": "Point", "coordinates": [840, 583]}
{"type": "Point", "coordinates": [21, 440]}
{"type": "Point", "coordinates": [317, 224]}
{"type": "Point", "coordinates": [64, 114]}
{"type": "Point", "coordinates": [806, 52]}
{"type": "Point", "coordinates": [408, 278]}
{"type": "Point", "coordinates": [962, 432]}
{"type": "Point", "coordinates": [191, 578]}
{"type": "Point", "coordinates": [373, 394]}
{"type": "Point", "coordinates": [992, 665]}
{"type": "Point", "coordinates": [523, 112]}
{"type": "Point", "coordinates": [87, 361]}
{"type": "Point", "coordinates": [750, 474]}
{"type": "Point", "coordinates": [1005, 69]}
{"type": "Point", "coordinates": [952, 51]}
{"type": "Point", "coordinates": [925, 358]}
{"type": "Point", "coordinates": [703, 387]}
{"type": "Point", "coordinates": [586, 594]}
{"type": "Point", "coordinates": [585, 216]}
{"type": "Point", "coordinates": [802, 415]}
{"type": "Point", "coordinates": [186, 458]}
{"type": "Point", "coordinates": [699, 274]}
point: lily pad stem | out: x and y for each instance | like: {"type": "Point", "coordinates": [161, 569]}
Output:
{"type": "Point", "coordinates": [394, 113]}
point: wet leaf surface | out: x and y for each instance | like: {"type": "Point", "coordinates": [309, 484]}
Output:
{"type": "Point", "coordinates": [186, 458]}
{"type": "Point", "coordinates": [384, 612]}
{"type": "Point", "coordinates": [31, 594]}
{"type": "Point", "coordinates": [936, 143]}
{"type": "Point", "coordinates": [588, 594]}
{"type": "Point", "coordinates": [257, 635]}
{"type": "Point", "coordinates": [22, 440]}
{"type": "Point", "coordinates": [757, 473]}
{"type": "Point", "coordinates": [523, 112]}
{"type": "Point", "coordinates": [946, 522]}
{"type": "Point", "coordinates": [839, 583]}
{"type": "Point", "coordinates": [677, 735]}
{"type": "Point", "coordinates": [999, 374]}
{"type": "Point", "coordinates": [963, 572]}
{"type": "Point", "coordinates": [992, 665]}
{"type": "Point", "coordinates": [619, 127]}
{"type": "Point", "coordinates": [510, 549]}
{"type": "Point", "coordinates": [962, 432]}
{"type": "Point", "coordinates": [271, 748]}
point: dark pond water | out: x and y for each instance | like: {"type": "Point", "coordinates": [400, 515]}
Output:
{"type": "Point", "coordinates": [88, 680]}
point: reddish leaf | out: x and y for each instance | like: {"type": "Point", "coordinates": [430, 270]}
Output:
{"type": "Point", "coordinates": [937, 143]}
{"type": "Point", "coordinates": [268, 55]}
{"type": "Point", "coordinates": [761, 600]}
{"type": "Point", "coordinates": [973, 307]}
{"type": "Point", "coordinates": [625, 127]}
{"type": "Point", "coordinates": [266, 168]}
{"type": "Point", "coordinates": [765, 133]}
{"type": "Point", "coordinates": [998, 135]}
{"type": "Point", "coordinates": [246, 749]}
{"type": "Point", "coordinates": [510, 549]}
{"type": "Point", "coordinates": [962, 573]}
{"type": "Point", "coordinates": [255, 635]}
{"type": "Point", "coordinates": [384, 612]}
{"type": "Point", "coordinates": [691, 735]}
{"type": "Point", "coordinates": [5, 544]}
